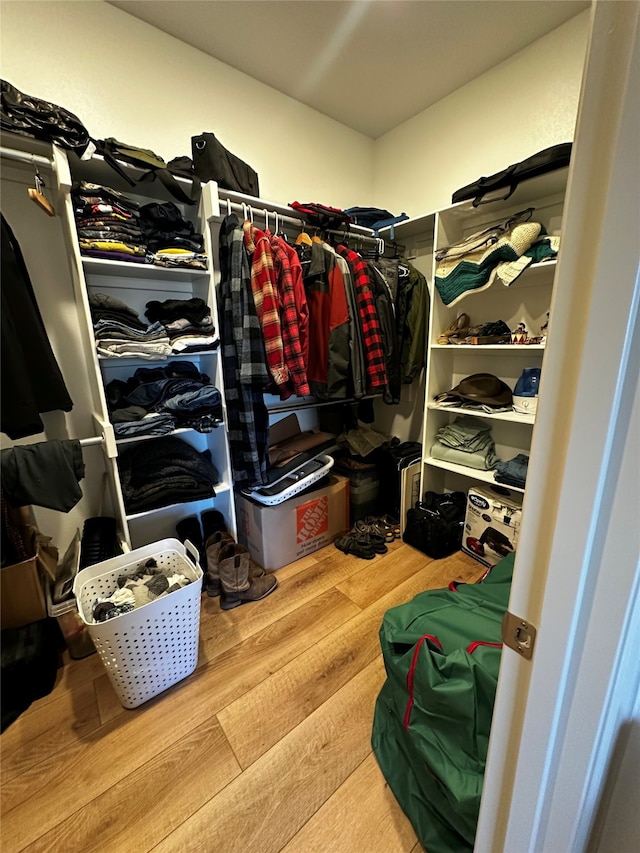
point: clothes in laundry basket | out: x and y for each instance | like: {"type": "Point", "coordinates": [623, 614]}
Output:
{"type": "Point", "coordinates": [138, 585]}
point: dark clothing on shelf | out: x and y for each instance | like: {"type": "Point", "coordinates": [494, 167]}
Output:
{"type": "Point", "coordinates": [30, 378]}
{"type": "Point", "coordinates": [195, 310]}
{"type": "Point", "coordinates": [43, 474]}
{"type": "Point", "coordinates": [513, 472]}
{"type": "Point", "coordinates": [165, 471]}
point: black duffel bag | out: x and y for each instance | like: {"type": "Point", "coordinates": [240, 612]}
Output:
{"type": "Point", "coordinates": [38, 119]}
{"type": "Point", "coordinates": [212, 162]}
{"type": "Point", "coordinates": [435, 525]}
{"type": "Point", "coordinates": [503, 184]}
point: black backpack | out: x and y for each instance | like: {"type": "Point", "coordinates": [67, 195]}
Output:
{"type": "Point", "coordinates": [153, 166]}
{"type": "Point", "coordinates": [435, 525]}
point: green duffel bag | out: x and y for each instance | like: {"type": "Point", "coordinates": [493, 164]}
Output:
{"type": "Point", "coordinates": [433, 715]}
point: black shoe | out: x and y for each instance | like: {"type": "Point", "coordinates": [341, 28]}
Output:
{"type": "Point", "coordinates": [212, 522]}
{"type": "Point", "coordinates": [189, 528]}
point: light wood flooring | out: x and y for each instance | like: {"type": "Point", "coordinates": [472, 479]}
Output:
{"type": "Point", "coordinates": [264, 748]}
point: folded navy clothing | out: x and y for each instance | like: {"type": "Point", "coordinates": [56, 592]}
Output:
{"type": "Point", "coordinates": [513, 472]}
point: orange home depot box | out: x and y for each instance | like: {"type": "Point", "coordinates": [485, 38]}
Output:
{"type": "Point", "coordinates": [279, 535]}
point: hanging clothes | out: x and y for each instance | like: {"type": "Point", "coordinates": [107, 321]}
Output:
{"type": "Point", "coordinates": [329, 364]}
{"type": "Point", "coordinates": [376, 372]}
{"type": "Point", "coordinates": [390, 344]}
{"type": "Point", "coordinates": [292, 347]}
{"type": "Point", "coordinates": [357, 386]}
{"type": "Point", "coordinates": [410, 292]}
{"type": "Point", "coordinates": [30, 378]}
{"type": "Point", "coordinates": [243, 360]}
{"type": "Point", "coordinates": [46, 474]}
{"type": "Point", "coordinates": [300, 298]}
{"type": "Point", "coordinates": [265, 296]}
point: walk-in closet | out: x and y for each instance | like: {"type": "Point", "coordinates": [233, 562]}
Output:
{"type": "Point", "coordinates": [320, 418]}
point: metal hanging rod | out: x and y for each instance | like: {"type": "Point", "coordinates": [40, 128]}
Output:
{"type": "Point", "coordinates": [305, 403]}
{"type": "Point", "coordinates": [24, 157]}
{"type": "Point", "coordinates": [249, 211]}
{"type": "Point", "coordinates": [89, 442]}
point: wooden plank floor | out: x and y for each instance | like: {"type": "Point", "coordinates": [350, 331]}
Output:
{"type": "Point", "coordinates": [265, 748]}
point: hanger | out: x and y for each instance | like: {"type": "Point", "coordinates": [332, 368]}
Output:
{"type": "Point", "coordinates": [36, 194]}
{"type": "Point", "coordinates": [303, 238]}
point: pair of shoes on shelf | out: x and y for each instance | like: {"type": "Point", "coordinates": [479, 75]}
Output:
{"type": "Point", "coordinates": [457, 330]}
{"type": "Point", "coordinates": [229, 571]}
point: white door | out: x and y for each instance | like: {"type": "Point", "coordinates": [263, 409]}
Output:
{"type": "Point", "coordinates": [558, 716]}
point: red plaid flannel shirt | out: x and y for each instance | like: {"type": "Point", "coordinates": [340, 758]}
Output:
{"type": "Point", "coordinates": [265, 296]}
{"type": "Point", "coordinates": [291, 340]}
{"type": "Point", "coordinates": [369, 323]}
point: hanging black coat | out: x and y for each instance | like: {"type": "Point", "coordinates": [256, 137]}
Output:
{"type": "Point", "coordinates": [31, 381]}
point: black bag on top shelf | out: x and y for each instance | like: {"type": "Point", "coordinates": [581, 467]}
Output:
{"type": "Point", "coordinates": [502, 185]}
{"type": "Point", "coordinates": [212, 162]}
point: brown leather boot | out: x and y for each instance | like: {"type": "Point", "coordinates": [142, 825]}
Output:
{"type": "Point", "coordinates": [238, 587]}
{"type": "Point", "coordinates": [215, 543]}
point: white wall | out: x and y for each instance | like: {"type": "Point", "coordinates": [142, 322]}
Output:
{"type": "Point", "coordinates": [521, 106]}
{"type": "Point", "coordinates": [126, 79]}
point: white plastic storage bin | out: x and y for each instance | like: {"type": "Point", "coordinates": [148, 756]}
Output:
{"type": "Point", "coordinates": [154, 646]}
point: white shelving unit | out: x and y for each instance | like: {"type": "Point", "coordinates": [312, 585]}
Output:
{"type": "Point", "coordinates": [136, 285]}
{"type": "Point", "coordinates": [526, 301]}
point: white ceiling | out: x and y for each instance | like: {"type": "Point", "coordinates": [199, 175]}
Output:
{"type": "Point", "coordinates": [369, 64]}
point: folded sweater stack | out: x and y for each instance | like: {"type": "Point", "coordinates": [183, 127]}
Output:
{"type": "Point", "coordinates": [467, 441]}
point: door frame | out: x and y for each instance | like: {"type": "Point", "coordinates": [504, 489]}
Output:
{"type": "Point", "coordinates": [577, 572]}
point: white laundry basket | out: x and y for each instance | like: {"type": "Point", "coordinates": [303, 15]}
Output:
{"type": "Point", "coordinates": [154, 646]}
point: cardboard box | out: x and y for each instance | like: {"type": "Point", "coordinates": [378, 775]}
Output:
{"type": "Point", "coordinates": [279, 535]}
{"type": "Point", "coordinates": [22, 598]}
{"type": "Point", "coordinates": [492, 523]}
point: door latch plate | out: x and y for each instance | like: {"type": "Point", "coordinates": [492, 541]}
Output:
{"type": "Point", "coordinates": [518, 634]}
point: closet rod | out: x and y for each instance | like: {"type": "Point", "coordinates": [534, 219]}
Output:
{"type": "Point", "coordinates": [88, 442]}
{"type": "Point", "coordinates": [23, 157]}
{"type": "Point", "coordinates": [228, 205]}
{"type": "Point", "coordinates": [295, 407]}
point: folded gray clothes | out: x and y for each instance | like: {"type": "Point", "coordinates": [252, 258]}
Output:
{"type": "Point", "coordinates": [183, 325]}
{"type": "Point", "coordinates": [115, 330]}
{"type": "Point", "coordinates": [134, 349]}
{"type": "Point", "coordinates": [483, 460]}
{"type": "Point", "coordinates": [465, 433]}
{"type": "Point", "coordinates": [150, 424]}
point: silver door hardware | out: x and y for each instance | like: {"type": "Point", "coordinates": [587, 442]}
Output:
{"type": "Point", "coordinates": [518, 634]}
